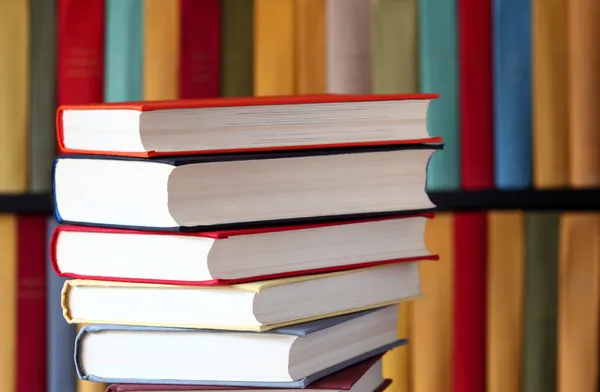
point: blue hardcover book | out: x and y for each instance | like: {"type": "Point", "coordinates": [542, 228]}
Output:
{"type": "Point", "coordinates": [512, 93]}
{"type": "Point", "coordinates": [438, 63]}
{"type": "Point", "coordinates": [60, 335]}
{"type": "Point", "coordinates": [123, 51]}
{"type": "Point", "coordinates": [289, 357]}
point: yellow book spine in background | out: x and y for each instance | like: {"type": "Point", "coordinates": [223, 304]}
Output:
{"type": "Point", "coordinates": [8, 291]}
{"type": "Point", "coordinates": [274, 47]}
{"type": "Point", "coordinates": [87, 386]}
{"type": "Point", "coordinates": [14, 95]}
{"type": "Point", "coordinates": [396, 362]}
{"type": "Point", "coordinates": [579, 302]}
{"type": "Point", "coordinates": [431, 321]}
{"type": "Point", "coordinates": [505, 285]}
{"type": "Point", "coordinates": [161, 50]}
{"type": "Point", "coordinates": [310, 46]}
{"type": "Point", "coordinates": [550, 94]}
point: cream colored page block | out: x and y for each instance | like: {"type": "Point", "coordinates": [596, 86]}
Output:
{"type": "Point", "coordinates": [161, 49]}
{"type": "Point", "coordinates": [505, 291]}
{"type": "Point", "coordinates": [579, 302]}
{"type": "Point", "coordinates": [8, 292]}
{"type": "Point", "coordinates": [14, 95]}
{"type": "Point", "coordinates": [274, 47]}
{"type": "Point", "coordinates": [431, 322]}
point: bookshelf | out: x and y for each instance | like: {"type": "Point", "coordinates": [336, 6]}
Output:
{"type": "Point", "coordinates": [454, 201]}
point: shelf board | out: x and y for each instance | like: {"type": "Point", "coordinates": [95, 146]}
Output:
{"type": "Point", "coordinates": [480, 200]}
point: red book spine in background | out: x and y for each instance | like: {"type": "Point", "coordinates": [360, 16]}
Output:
{"type": "Point", "coordinates": [31, 304]}
{"type": "Point", "coordinates": [469, 336]}
{"type": "Point", "coordinates": [80, 57]}
{"type": "Point", "coordinates": [199, 72]}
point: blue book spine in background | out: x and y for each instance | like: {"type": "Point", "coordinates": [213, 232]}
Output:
{"type": "Point", "coordinates": [438, 73]}
{"type": "Point", "coordinates": [123, 51]}
{"type": "Point", "coordinates": [512, 93]}
{"type": "Point", "coordinates": [60, 336]}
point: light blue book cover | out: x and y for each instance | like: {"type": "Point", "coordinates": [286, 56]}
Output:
{"type": "Point", "coordinates": [303, 329]}
{"type": "Point", "coordinates": [438, 72]}
{"type": "Point", "coordinates": [512, 93]}
{"type": "Point", "coordinates": [123, 50]}
{"type": "Point", "coordinates": [60, 336]}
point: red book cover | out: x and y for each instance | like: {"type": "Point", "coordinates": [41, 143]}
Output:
{"type": "Point", "coordinates": [223, 235]}
{"type": "Point", "coordinates": [341, 380]}
{"type": "Point", "coordinates": [476, 143]}
{"type": "Point", "coordinates": [31, 304]}
{"type": "Point", "coordinates": [199, 73]}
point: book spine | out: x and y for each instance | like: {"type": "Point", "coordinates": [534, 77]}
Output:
{"type": "Point", "coordinates": [8, 306]}
{"type": "Point", "coordinates": [310, 46]}
{"type": "Point", "coordinates": [438, 72]}
{"type": "Point", "coordinates": [42, 94]}
{"type": "Point", "coordinates": [237, 57]}
{"type": "Point", "coordinates": [31, 304]}
{"type": "Point", "coordinates": [512, 94]}
{"type": "Point", "coordinates": [123, 68]}
{"type": "Point", "coordinates": [200, 47]}
{"type": "Point", "coordinates": [60, 336]}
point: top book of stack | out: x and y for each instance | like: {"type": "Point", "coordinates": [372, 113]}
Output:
{"type": "Point", "coordinates": [231, 125]}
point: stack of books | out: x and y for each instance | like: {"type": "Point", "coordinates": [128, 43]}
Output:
{"type": "Point", "coordinates": [241, 243]}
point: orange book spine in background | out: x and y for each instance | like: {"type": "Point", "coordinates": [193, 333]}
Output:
{"type": "Point", "coordinates": [310, 46]}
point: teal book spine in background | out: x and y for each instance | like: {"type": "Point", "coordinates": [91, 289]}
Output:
{"type": "Point", "coordinates": [123, 69]}
{"type": "Point", "coordinates": [438, 59]}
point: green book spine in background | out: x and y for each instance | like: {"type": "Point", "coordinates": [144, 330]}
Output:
{"type": "Point", "coordinates": [395, 56]}
{"type": "Point", "coordinates": [438, 62]}
{"type": "Point", "coordinates": [42, 101]}
{"type": "Point", "coordinates": [237, 27]}
{"type": "Point", "coordinates": [541, 302]}
{"type": "Point", "coordinates": [123, 69]}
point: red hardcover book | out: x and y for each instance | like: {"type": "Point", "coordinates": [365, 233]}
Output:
{"type": "Point", "coordinates": [31, 304]}
{"type": "Point", "coordinates": [475, 40]}
{"type": "Point", "coordinates": [342, 380]}
{"type": "Point", "coordinates": [254, 235]}
{"type": "Point", "coordinates": [199, 73]}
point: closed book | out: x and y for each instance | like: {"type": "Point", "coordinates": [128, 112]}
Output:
{"type": "Point", "coordinates": [236, 256]}
{"type": "Point", "coordinates": [512, 93]}
{"type": "Point", "coordinates": [8, 289]}
{"type": "Point", "coordinates": [123, 72]}
{"type": "Point", "coordinates": [59, 335]}
{"type": "Point", "coordinates": [237, 50]}
{"type": "Point", "coordinates": [216, 192]}
{"type": "Point", "coordinates": [253, 306]}
{"type": "Point", "coordinates": [291, 357]}
{"type": "Point", "coordinates": [438, 72]}
{"type": "Point", "coordinates": [541, 302]}
{"type": "Point", "coordinates": [365, 375]}
{"type": "Point", "coordinates": [42, 95]}
{"type": "Point", "coordinates": [310, 53]}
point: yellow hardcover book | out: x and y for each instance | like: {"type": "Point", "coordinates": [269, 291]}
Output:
{"type": "Point", "coordinates": [14, 95]}
{"type": "Point", "coordinates": [550, 94]}
{"type": "Point", "coordinates": [8, 290]}
{"type": "Point", "coordinates": [431, 322]}
{"type": "Point", "coordinates": [88, 386]}
{"type": "Point", "coordinates": [274, 47]}
{"type": "Point", "coordinates": [310, 46]}
{"type": "Point", "coordinates": [161, 50]}
{"type": "Point", "coordinates": [173, 293]}
{"type": "Point", "coordinates": [505, 295]}
{"type": "Point", "coordinates": [579, 302]}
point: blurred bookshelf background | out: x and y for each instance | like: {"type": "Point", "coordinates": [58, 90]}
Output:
{"type": "Point", "coordinates": [513, 304]}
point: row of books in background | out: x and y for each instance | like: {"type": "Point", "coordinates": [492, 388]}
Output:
{"type": "Point", "coordinates": [153, 49]}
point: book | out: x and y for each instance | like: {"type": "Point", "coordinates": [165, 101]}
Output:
{"type": "Point", "coordinates": [310, 46]}
{"type": "Point", "coordinates": [257, 306]}
{"type": "Point", "coordinates": [42, 94]}
{"type": "Point", "coordinates": [223, 191]}
{"type": "Point", "coordinates": [59, 335]}
{"type": "Point", "coordinates": [363, 376]}
{"type": "Point", "coordinates": [236, 256]}
{"type": "Point", "coordinates": [8, 289]}
{"type": "Point", "coordinates": [200, 47]}
{"type": "Point", "coordinates": [512, 94]}
{"type": "Point", "coordinates": [237, 40]}
{"type": "Point", "coordinates": [206, 125]}
{"type": "Point", "coordinates": [291, 357]}
{"type": "Point", "coordinates": [274, 47]}
{"type": "Point", "coordinates": [14, 95]}
{"type": "Point", "coordinates": [438, 72]}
